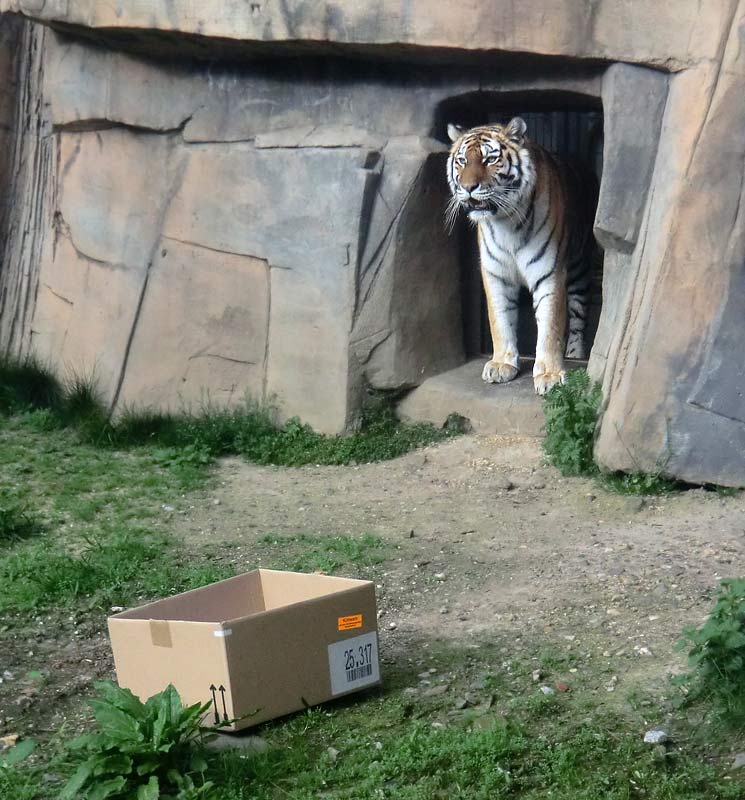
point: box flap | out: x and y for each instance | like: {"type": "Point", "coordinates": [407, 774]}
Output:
{"type": "Point", "coordinates": [280, 588]}
{"type": "Point", "coordinates": [228, 599]}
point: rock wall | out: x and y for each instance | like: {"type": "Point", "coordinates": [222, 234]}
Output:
{"type": "Point", "coordinates": [251, 223]}
{"type": "Point", "coordinates": [675, 382]}
{"type": "Point", "coordinates": [670, 35]}
{"type": "Point", "coordinates": [221, 231]}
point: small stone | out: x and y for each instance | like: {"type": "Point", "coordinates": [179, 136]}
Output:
{"type": "Point", "coordinates": [116, 609]}
{"type": "Point", "coordinates": [645, 651]}
{"type": "Point", "coordinates": [440, 576]}
{"type": "Point", "coordinates": [547, 690]}
{"type": "Point", "coordinates": [503, 483]}
{"type": "Point", "coordinates": [635, 504]}
{"type": "Point", "coordinates": [332, 753]}
{"type": "Point", "coordinates": [237, 741]}
{"type": "Point", "coordinates": [561, 686]}
{"type": "Point", "coordinates": [6, 742]}
{"type": "Point", "coordinates": [216, 502]}
{"type": "Point", "coordinates": [591, 497]}
{"type": "Point", "coordinates": [485, 705]}
{"type": "Point", "coordinates": [411, 691]}
{"type": "Point", "coordinates": [438, 725]}
{"type": "Point", "coordinates": [436, 691]}
{"type": "Point", "coordinates": [537, 483]}
{"type": "Point", "coordinates": [537, 674]}
{"type": "Point", "coordinates": [423, 675]}
{"type": "Point", "coordinates": [168, 509]}
{"type": "Point", "coordinates": [461, 703]}
{"type": "Point", "coordinates": [612, 683]}
{"type": "Point", "coordinates": [656, 736]}
{"type": "Point", "coordinates": [392, 626]}
{"type": "Point", "coordinates": [8, 675]}
{"type": "Point", "coordinates": [444, 610]}
{"type": "Point", "coordinates": [738, 763]}
{"type": "Point", "coordinates": [24, 702]}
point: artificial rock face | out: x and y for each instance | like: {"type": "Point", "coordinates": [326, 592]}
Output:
{"type": "Point", "coordinates": [190, 212]}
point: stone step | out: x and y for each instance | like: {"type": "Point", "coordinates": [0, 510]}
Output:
{"type": "Point", "coordinates": [505, 409]}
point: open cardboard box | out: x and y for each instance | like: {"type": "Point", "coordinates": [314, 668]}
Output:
{"type": "Point", "coordinates": [257, 646]}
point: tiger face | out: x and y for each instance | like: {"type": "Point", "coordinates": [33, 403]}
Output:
{"type": "Point", "coordinates": [489, 168]}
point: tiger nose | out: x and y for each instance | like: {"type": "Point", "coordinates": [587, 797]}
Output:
{"type": "Point", "coordinates": [470, 187]}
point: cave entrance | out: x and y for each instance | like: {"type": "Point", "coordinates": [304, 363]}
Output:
{"type": "Point", "coordinates": [565, 124]}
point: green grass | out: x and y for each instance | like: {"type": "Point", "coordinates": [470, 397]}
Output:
{"type": "Point", "coordinates": [26, 384]}
{"type": "Point", "coordinates": [103, 538]}
{"type": "Point", "coordinates": [94, 535]}
{"type": "Point", "coordinates": [114, 569]}
{"type": "Point", "coordinates": [251, 432]}
{"type": "Point", "coordinates": [307, 553]}
{"type": "Point", "coordinates": [17, 521]}
{"type": "Point", "coordinates": [571, 418]}
{"type": "Point", "coordinates": [716, 656]}
{"type": "Point", "coordinates": [191, 440]}
{"type": "Point", "coordinates": [533, 749]}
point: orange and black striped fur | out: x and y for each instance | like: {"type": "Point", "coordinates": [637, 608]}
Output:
{"type": "Point", "coordinates": [534, 215]}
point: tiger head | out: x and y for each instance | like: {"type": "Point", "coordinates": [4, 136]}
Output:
{"type": "Point", "coordinates": [489, 169]}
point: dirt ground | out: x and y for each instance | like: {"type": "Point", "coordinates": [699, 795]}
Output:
{"type": "Point", "coordinates": [485, 543]}
{"type": "Point", "coordinates": [489, 542]}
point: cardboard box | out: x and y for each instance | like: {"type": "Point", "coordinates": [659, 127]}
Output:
{"type": "Point", "coordinates": [256, 646]}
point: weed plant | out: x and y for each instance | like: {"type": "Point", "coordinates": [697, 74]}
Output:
{"type": "Point", "coordinates": [571, 418]}
{"type": "Point", "coordinates": [716, 654]}
{"type": "Point", "coordinates": [141, 750]}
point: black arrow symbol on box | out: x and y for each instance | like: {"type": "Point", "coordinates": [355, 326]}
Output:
{"type": "Point", "coordinates": [224, 707]}
{"type": "Point", "coordinates": [213, 689]}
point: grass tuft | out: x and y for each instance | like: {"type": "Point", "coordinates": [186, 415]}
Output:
{"type": "Point", "coordinates": [195, 439]}
{"type": "Point", "coordinates": [716, 654]}
{"type": "Point", "coordinates": [26, 385]}
{"type": "Point", "coordinates": [571, 413]}
{"type": "Point", "coordinates": [306, 553]}
{"type": "Point", "coordinates": [16, 520]}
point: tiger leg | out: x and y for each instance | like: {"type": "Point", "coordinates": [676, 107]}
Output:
{"type": "Point", "coordinates": [550, 307]}
{"type": "Point", "coordinates": [501, 302]}
{"type": "Point", "coordinates": [577, 308]}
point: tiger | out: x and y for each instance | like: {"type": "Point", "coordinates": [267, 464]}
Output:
{"type": "Point", "coordinates": [534, 216]}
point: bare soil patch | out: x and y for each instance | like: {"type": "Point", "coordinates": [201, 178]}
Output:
{"type": "Point", "coordinates": [488, 543]}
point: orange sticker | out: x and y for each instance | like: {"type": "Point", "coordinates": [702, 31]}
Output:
{"type": "Point", "coordinates": [348, 623]}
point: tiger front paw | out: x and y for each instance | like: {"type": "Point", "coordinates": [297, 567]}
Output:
{"type": "Point", "coordinates": [546, 381]}
{"type": "Point", "coordinates": [498, 372]}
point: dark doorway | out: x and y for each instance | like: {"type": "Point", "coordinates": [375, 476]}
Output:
{"type": "Point", "coordinates": [574, 131]}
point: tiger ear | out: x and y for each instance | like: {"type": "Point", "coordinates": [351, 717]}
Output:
{"type": "Point", "coordinates": [515, 130]}
{"type": "Point", "coordinates": [455, 132]}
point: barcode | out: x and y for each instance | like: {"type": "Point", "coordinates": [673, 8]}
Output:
{"type": "Point", "coordinates": [359, 672]}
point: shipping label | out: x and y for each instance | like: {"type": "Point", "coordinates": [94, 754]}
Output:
{"type": "Point", "coordinates": [353, 663]}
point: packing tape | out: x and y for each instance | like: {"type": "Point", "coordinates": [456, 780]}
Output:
{"type": "Point", "coordinates": [160, 633]}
